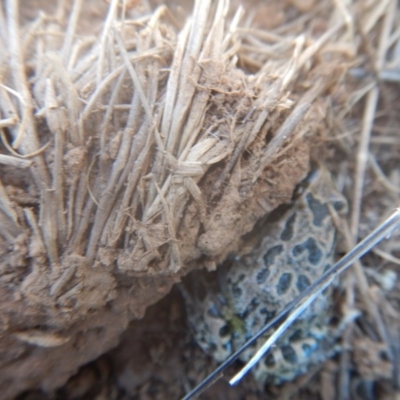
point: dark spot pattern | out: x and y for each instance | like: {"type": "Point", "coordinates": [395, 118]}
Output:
{"type": "Point", "coordinates": [302, 283]}
{"type": "Point", "coordinates": [240, 278]}
{"type": "Point", "coordinates": [212, 347]}
{"type": "Point", "coordinates": [320, 210]}
{"type": "Point", "coordinates": [213, 311]}
{"type": "Point", "coordinates": [228, 347]}
{"type": "Point", "coordinates": [237, 292]}
{"type": "Point", "coordinates": [256, 325]}
{"type": "Point", "coordinates": [339, 205]}
{"type": "Point", "coordinates": [284, 283]}
{"type": "Point", "coordinates": [235, 333]}
{"type": "Point", "coordinates": [262, 275]}
{"type": "Point", "coordinates": [268, 318]}
{"type": "Point", "coordinates": [224, 331]}
{"type": "Point", "coordinates": [307, 349]}
{"type": "Point", "coordinates": [288, 231]}
{"type": "Point", "coordinates": [268, 315]}
{"type": "Point", "coordinates": [297, 335]}
{"type": "Point", "coordinates": [271, 254]}
{"type": "Point", "coordinates": [289, 354]}
{"type": "Point", "coordinates": [254, 303]}
{"type": "Point", "coordinates": [383, 355]}
{"type": "Point", "coordinates": [290, 261]}
{"type": "Point", "coordinates": [253, 345]}
{"type": "Point", "coordinates": [314, 252]}
{"type": "Point", "coordinates": [269, 360]}
{"type": "Point", "coordinates": [327, 266]}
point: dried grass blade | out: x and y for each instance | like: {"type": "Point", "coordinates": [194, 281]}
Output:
{"type": "Point", "coordinates": [32, 222]}
{"type": "Point", "coordinates": [69, 35]}
{"type": "Point", "coordinates": [73, 103]}
{"type": "Point", "coordinates": [14, 161]}
{"type": "Point", "coordinates": [286, 131]}
{"type": "Point", "coordinates": [6, 205]}
{"type": "Point", "coordinates": [48, 225]}
{"type": "Point", "coordinates": [139, 89]}
{"type": "Point", "coordinates": [175, 258]}
{"type": "Point", "coordinates": [57, 125]}
{"type": "Point", "coordinates": [8, 229]}
{"type": "Point", "coordinates": [105, 38]}
{"type": "Point", "coordinates": [118, 169]}
{"type": "Point", "coordinates": [31, 142]}
{"type": "Point", "coordinates": [368, 120]}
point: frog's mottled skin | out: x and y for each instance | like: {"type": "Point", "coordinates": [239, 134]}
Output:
{"type": "Point", "coordinates": [295, 247]}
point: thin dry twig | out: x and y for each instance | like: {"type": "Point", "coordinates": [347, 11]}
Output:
{"type": "Point", "coordinates": [14, 161]}
{"type": "Point", "coordinates": [369, 116]}
{"type": "Point", "coordinates": [31, 144]}
{"type": "Point", "coordinates": [71, 28]}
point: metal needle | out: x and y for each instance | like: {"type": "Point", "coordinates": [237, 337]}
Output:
{"type": "Point", "coordinates": [292, 310]}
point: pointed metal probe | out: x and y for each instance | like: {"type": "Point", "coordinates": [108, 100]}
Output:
{"type": "Point", "coordinates": [298, 305]}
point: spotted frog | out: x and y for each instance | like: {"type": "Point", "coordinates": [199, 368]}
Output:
{"type": "Point", "coordinates": [293, 247]}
